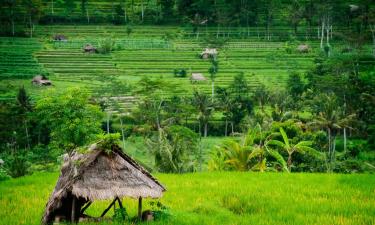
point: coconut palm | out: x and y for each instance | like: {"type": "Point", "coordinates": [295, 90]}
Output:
{"type": "Point", "coordinates": [250, 153]}
{"type": "Point", "coordinates": [213, 71]}
{"type": "Point", "coordinates": [204, 108]}
{"type": "Point", "coordinates": [332, 119]}
{"type": "Point", "coordinates": [290, 148]}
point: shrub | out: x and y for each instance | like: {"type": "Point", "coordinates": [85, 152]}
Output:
{"type": "Point", "coordinates": [17, 165]}
{"type": "Point", "coordinates": [106, 46]}
{"type": "Point", "coordinates": [180, 72]}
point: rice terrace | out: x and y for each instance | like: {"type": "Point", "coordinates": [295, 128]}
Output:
{"type": "Point", "coordinates": [187, 112]}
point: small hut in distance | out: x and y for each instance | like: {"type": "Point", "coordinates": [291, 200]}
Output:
{"type": "Point", "coordinates": [98, 175]}
{"type": "Point", "coordinates": [41, 80]}
{"type": "Point", "coordinates": [89, 48]}
{"type": "Point", "coordinates": [195, 77]}
{"type": "Point", "coordinates": [209, 53]}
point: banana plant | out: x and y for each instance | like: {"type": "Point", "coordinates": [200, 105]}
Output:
{"type": "Point", "coordinates": [290, 148]}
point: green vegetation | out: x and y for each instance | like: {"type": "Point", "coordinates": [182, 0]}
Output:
{"type": "Point", "coordinates": [222, 198]}
{"type": "Point", "coordinates": [201, 89]}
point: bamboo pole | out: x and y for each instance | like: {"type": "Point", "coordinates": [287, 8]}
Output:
{"type": "Point", "coordinates": [140, 208]}
{"type": "Point", "coordinates": [73, 210]}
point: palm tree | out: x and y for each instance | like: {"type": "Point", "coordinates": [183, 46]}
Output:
{"type": "Point", "coordinates": [286, 145]}
{"type": "Point", "coordinates": [331, 118]}
{"type": "Point", "coordinates": [213, 71]}
{"type": "Point", "coordinates": [205, 108]}
{"type": "Point", "coordinates": [250, 153]}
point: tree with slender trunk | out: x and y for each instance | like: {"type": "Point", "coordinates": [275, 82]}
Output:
{"type": "Point", "coordinates": [330, 117]}
{"type": "Point", "coordinates": [205, 109]}
{"type": "Point", "coordinates": [24, 104]}
{"type": "Point", "coordinates": [213, 71]}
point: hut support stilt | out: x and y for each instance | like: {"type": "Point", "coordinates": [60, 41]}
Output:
{"type": "Point", "coordinates": [119, 203]}
{"type": "Point", "coordinates": [109, 207]}
{"type": "Point", "coordinates": [140, 208]}
{"type": "Point", "coordinates": [73, 210]}
{"type": "Point", "coordinates": [85, 207]}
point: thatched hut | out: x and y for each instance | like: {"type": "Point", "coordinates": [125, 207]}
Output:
{"type": "Point", "coordinates": [89, 48]}
{"type": "Point", "coordinates": [197, 77]}
{"type": "Point", "coordinates": [60, 37]}
{"type": "Point", "coordinates": [98, 175]}
{"type": "Point", "coordinates": [41, 81]}
{"type": "Point", "coordinates": [209, 53]}
{"type": "Point", "coordinates": [303, 48]}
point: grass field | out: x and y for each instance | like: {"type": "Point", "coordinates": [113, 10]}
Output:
{"type": "Point", "coordinates": [222, 198]}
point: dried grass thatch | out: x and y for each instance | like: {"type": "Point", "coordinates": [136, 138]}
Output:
{"type": "Point", "coordinates": [41, 81]}
{"type": "Point", "coordinates": [197, 77]}
{"type": "Point", "coordinates": [209, 53]}
{"type": "Point", "coordinates": [303, 48]}
{"type": "Point", "coordinates": [89, 48]}
{"type": "Point", "coordinates": [96, 175]}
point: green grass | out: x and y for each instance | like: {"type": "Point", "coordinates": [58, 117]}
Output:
{"type": "Point", "coordinates": [223, 198]}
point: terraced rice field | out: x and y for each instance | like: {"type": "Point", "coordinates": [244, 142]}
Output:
{"type": "Point", "coordinates": [146, 53]}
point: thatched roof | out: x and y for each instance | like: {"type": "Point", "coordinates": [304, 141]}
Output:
{"type": "Point", "coordinates": [41, 81]}
{"type": "Point", "coordinates": [60, 37]}
{"type": "Point", "coordinates": [89, 48]}
{"type": "Point", "coordinates": [303, 48]}
{"type": "Point", "coordinates": [96, 175]}
{"type": "Point", "coordinates": [198, 77]}
{"type": "Point", "coordinates": [210, 51]}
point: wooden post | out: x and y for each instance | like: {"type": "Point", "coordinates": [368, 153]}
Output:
{"type": "Point", "coordinates": [106, 210]}
{"type": "Point", "coordinates": [73, 219]}
{"type": "Point", "coordinates": [140, 208]}
{"type": "Point", "coordinates": [85, 207]}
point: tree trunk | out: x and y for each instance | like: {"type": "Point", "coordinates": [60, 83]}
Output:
{"type": "Point", "coordinates": [344, 140]}
{"type": "Point", "coordinates": [125, 14]}
{"type": "Point", "coordinates": [31, 26]}
{"type": "Point", "coordinates": [87, 15]}
{"type": "Point", "coordinates": [108, 116]}
{"type": "Point", "coordinates": [322, 35]}
{"type": "Point", "coordinates": [232, 124]}
{"type": "Point", "coordinates": [226, 127]}
{"type": "Point", "coordinates": [27, 135]}
{"type": "Point", "coordinates": [52, 9]}
{"type": "Point", "coordinates": [329, 149]}
{"type": "Point", "coordinates": [122, 133]}
{"type": "Point", "coordinates": [143, 12]}
{"type": "Point", "coordinates": [289, 162]}
{"type": "Point", "coordinates": [205, 129]}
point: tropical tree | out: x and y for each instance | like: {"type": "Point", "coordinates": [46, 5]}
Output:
{"type": "Point", "coordinates": [290, 148]}
{"type": "Point", "coordinates": [261, 95]}
{"type": "Point", "coordinates": [70, 116]}
{"type": "Point", "coordinates": [174, 149]}
{"type": "Point", "coordinates": [204, 108]}
{"type": "Point", "coordinates": [250, 153]}
{"type": "Point", "coordinates": [331, 118]}
{"type": "Point", "coordinates": [213, 71]}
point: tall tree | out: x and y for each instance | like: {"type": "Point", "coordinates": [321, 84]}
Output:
{"type": "Point", "coordinates": [213, 71]}
{"type": "Point", "coordinates": [205, 109]}
{"type": "Point", "coordinates": [70, 116]}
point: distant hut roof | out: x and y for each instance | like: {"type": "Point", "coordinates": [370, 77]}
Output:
{"type": "Point", "coordinates": [304, 48]}
{"type": "Point", "coordinates": [89, 48]}
{"type": "Point", "coordinates": [198, 77]}
{"type": "Point", "coordinates": [60, 37]}
{"type": "Point", "coordinates": [353, 7]}
{"type": "Point", "coordinates": [41, 80]}
{"type": "Point", "coordinates": [97, 175]}
{"type": "Point", "coordinates": [210, 51]}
